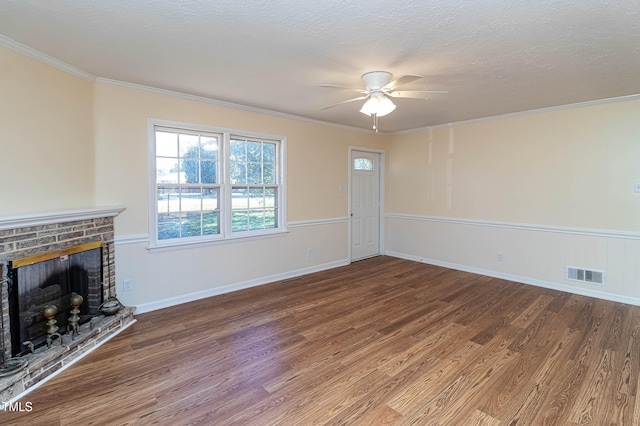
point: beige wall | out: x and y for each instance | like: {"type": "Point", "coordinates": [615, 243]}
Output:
{"type": "Point", "coordinates": [573, 167]}
{"type": "Point", "coordinates": [46, 137]}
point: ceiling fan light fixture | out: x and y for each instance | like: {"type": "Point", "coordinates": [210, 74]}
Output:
{"type": "Point", "coordinates": [379, 105]}
{"type": "Point", "coordinates": [385, 106]}
{"type": "Point", "coordinates": [370, 107]}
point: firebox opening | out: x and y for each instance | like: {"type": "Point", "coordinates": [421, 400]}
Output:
{"type": "Point", "coordinates": [50, 279]}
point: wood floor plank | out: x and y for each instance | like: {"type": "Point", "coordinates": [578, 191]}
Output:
{"type": "Point", "coordinates": [427, 389]}
{"type": "Point", "coordinates": [380, 341]}
{"type": "Point", "coordinates": [636, 406]}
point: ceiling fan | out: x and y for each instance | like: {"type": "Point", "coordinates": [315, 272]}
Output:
{"type": "Point", "coordinates": [378, 91]}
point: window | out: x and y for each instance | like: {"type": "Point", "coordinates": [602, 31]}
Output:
{"type": "Point", "coordinates": [362, 164]}
{"type": "Point", "coordinates": [214, 184]}
{"type": "Point", "coordinates": [253, 184]}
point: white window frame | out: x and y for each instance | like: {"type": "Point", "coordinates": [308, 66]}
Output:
{"type": "Point", "coordinates": [226, 235]}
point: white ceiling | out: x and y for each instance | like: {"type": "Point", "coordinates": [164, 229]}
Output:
{"type": "Point", "coordinates": [493, 56]}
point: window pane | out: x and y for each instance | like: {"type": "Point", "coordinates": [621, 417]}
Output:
{"type": "Point", "coordinates": [239, 220]}
{"type": "Point", "coordinates": [191, 225]}
{"type": "Point", "coordinates": [238, 173]}
{"type": "Point", "coordinates": [210, 223]}
{"type": "Point", "coordinates": [269, 197]}
{"type": "Point", "coordinates": [239, 198]}
{"type": "Point", "coordinates": [269, 153]}
{"type": "Point", "coordinates": [362, 164]}
{"type": "Point", "coordinates": [209, 148]}
{"type": "Point", "coordinates": [168, 200]}
{"type": "Point", "coordinates": [167, 170]}
{"type": "Point", "coordinates": [238, 150]}
{"type": "Point", "coordinates": [269, 174]}
{"type": "Point", "coordinates": [254, 152]}
{"type": "Point", "coordinates": [166, 144]}
{"type": "Point", "coordinates": [173, 201]}
{"type": "Point", "coordinates": [191, 200]}
{"type": "Point", "coordinates": [168, 226]}
{"type": "Point", "coordinates": [256, 219]}
{"type": "Point", "coordinates": [190, 170]}
{"type": "Point", "coordinates": [270, 218]}
{"type": "Point", "coordinates": [254, 173]}
{"type": "Point", "coordinates": [189, 146]}
{"type": "Point", "coordinates": [208, 172]}
{"type": "Point", "coordinates": [256, 198]}
{"type": "Point", "coordinates": [209, 199]}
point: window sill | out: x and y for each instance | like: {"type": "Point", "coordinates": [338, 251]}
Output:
{"type": "Point", "coordinates": [181, 245]}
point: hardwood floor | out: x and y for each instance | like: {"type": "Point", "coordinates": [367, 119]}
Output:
{"type": "Point", "coordinates": [381, 341]}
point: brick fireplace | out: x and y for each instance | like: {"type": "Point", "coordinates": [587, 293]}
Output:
{"type": "Point", "coordinates": [46, 235]}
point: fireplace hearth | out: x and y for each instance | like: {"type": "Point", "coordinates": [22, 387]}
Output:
{"type": "Point", "coordinates": [44, 259]}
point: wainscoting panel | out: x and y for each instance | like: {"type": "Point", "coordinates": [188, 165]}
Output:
{"type": "Point", "coordinates": [158, 279]}
{"type": "Point", "coordinates": [530, 254]}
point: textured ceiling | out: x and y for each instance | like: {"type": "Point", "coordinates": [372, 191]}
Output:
{"type": "Point", "coordinates": [492, 56]}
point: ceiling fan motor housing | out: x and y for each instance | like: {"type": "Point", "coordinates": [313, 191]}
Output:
{"type": "Point", "coordinates": [376, 80]}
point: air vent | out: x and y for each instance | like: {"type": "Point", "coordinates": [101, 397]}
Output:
{"type": "Point", "coordinates": [585, 275]}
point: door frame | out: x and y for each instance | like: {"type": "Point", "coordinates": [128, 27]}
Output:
{"type": "Point", "coordinates": [381, 198]}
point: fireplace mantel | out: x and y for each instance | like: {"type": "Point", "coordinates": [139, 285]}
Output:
{"type": "Point", "coordinates": [46, 218]}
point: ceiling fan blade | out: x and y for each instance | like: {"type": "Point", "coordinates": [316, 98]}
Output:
{"type": "Point", "coordinates": [359, 98]}
{"type": "Point", "coordinates": [335, 86]}
{"type": "Point", "coordinates": [405, 79]}
{"type": "Point", "coordinates": [415, 94]}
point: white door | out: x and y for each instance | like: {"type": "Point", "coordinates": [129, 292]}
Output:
{"type": "Point", "coordinates": [365, 204]}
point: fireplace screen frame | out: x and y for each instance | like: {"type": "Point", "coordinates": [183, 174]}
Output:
{"type": "Point", "coordinates": [91, 303]}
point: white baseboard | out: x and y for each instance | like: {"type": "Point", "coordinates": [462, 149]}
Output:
{"type": "Point", "coordinates": [165, 303]}
{"type": "Point", "coordinates": [521, 279]}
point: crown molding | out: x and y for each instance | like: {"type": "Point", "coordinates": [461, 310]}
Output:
{"type": "Point", "coordinates": [49, 60]}
{"type": "Point", "coordinates": [525, 113]}
{"type": "Point", "coordinates": [203, 99]}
